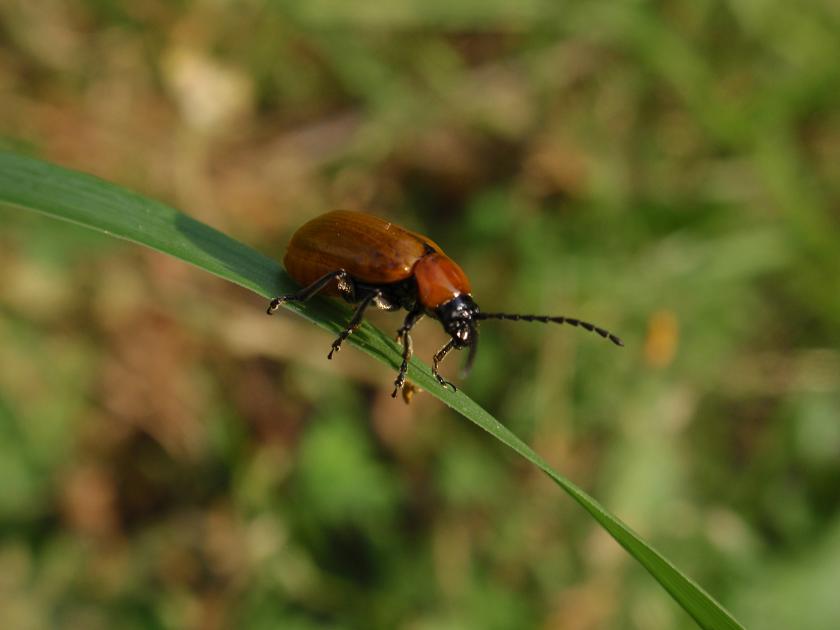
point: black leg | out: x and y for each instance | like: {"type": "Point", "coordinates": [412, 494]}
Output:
{"type": "Point", "coordinates": [355, 322]}
{"type": "Point", "coordinates": [305, 293]}
{"type": "Point", "coordinates": [438, 358]}
{"type": "Point", "coordinates": [403, 335]}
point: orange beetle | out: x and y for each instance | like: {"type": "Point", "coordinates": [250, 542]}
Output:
{"type": "Point", "coordinates": [369, 261]}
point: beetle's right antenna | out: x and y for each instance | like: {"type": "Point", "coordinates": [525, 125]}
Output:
{"type": "Point", "coordinates": [547, 319]}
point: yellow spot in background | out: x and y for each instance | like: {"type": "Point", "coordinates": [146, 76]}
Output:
{"type": "Point", "coordinates": [662, 338]}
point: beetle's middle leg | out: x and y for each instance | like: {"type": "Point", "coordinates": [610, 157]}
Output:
{"type": "Point", "coordinates": [403, 335]}
{"type": "Point", "coordinates": [345, 286]}
{"type": "Point", "coordinates": [355, 321]}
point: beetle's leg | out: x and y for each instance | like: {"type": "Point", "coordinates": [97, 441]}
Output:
{"type": "Point", "coordinates": [438, 358]}
{"type": "Point", "coordinates": [341, 276]}
{"type": "Point", "coordinates": [355, 322]}
{"type": "Point", "coordinates": [410, 320]}
{"type": "Point", "coordinates": [408, 350]}
{"type": "Point", "coordinates": [403, 335]}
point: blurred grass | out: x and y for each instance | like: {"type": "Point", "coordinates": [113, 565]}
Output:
{"type": "Point", "coordinates": [666, 169]}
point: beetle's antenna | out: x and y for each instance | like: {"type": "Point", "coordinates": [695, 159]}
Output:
{"type": "Point", "coordinates": [547, 319]}
{"type": "Point", "coordinates": [471, 356]}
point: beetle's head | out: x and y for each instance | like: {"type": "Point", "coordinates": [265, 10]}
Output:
{"type": "Point", "coordinates": [458, 317]}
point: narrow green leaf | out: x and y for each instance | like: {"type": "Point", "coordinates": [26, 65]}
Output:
{"type": "Point", "coordinates": [93, 203]}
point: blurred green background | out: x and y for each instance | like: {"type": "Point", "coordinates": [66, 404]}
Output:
{"type": "Point", "coordinates": [170, 457]}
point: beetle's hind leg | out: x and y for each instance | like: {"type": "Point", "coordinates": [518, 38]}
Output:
{"type": "Point", "coordinates": [345, 286]}
{"type": "Point", "coordinates": [355, 322]}
{"type": "Point", "coordinates": [403, 335]}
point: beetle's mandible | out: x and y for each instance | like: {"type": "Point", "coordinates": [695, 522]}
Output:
{"type": "Point", "coordinates": [371, 262]}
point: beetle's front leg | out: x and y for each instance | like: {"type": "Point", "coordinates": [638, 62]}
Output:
{"type": "Point", "coordinates": [439, 356]}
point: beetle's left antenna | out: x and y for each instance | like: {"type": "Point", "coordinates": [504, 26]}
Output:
{"type": "Point", "coordinates": [548, 319]}
{"type": "Point", "coordinates": [471, 356]}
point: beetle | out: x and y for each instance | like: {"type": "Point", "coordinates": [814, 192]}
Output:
{"type": "Point", "coordinates": [369, 261]}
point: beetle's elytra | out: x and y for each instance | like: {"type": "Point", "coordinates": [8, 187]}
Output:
{"type": "Point", "coordinates": [371, 262]}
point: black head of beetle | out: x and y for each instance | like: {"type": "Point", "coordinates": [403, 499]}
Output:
{"type": "Point", "coordinates": [459, 317]}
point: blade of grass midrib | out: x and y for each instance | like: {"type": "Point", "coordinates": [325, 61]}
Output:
{"type": "Point", "coordinates": [94, 203]}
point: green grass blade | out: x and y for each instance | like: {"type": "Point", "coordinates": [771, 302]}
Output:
{"type": "Point", "coordinates": [93, 203]}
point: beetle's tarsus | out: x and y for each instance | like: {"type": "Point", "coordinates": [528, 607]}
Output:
{"type": "Point", "coordinates": [444, 383]}
{"type": "Point", "coordinates": [398, 384]}
{"type": "Point", "coordinates": [276, 303]}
